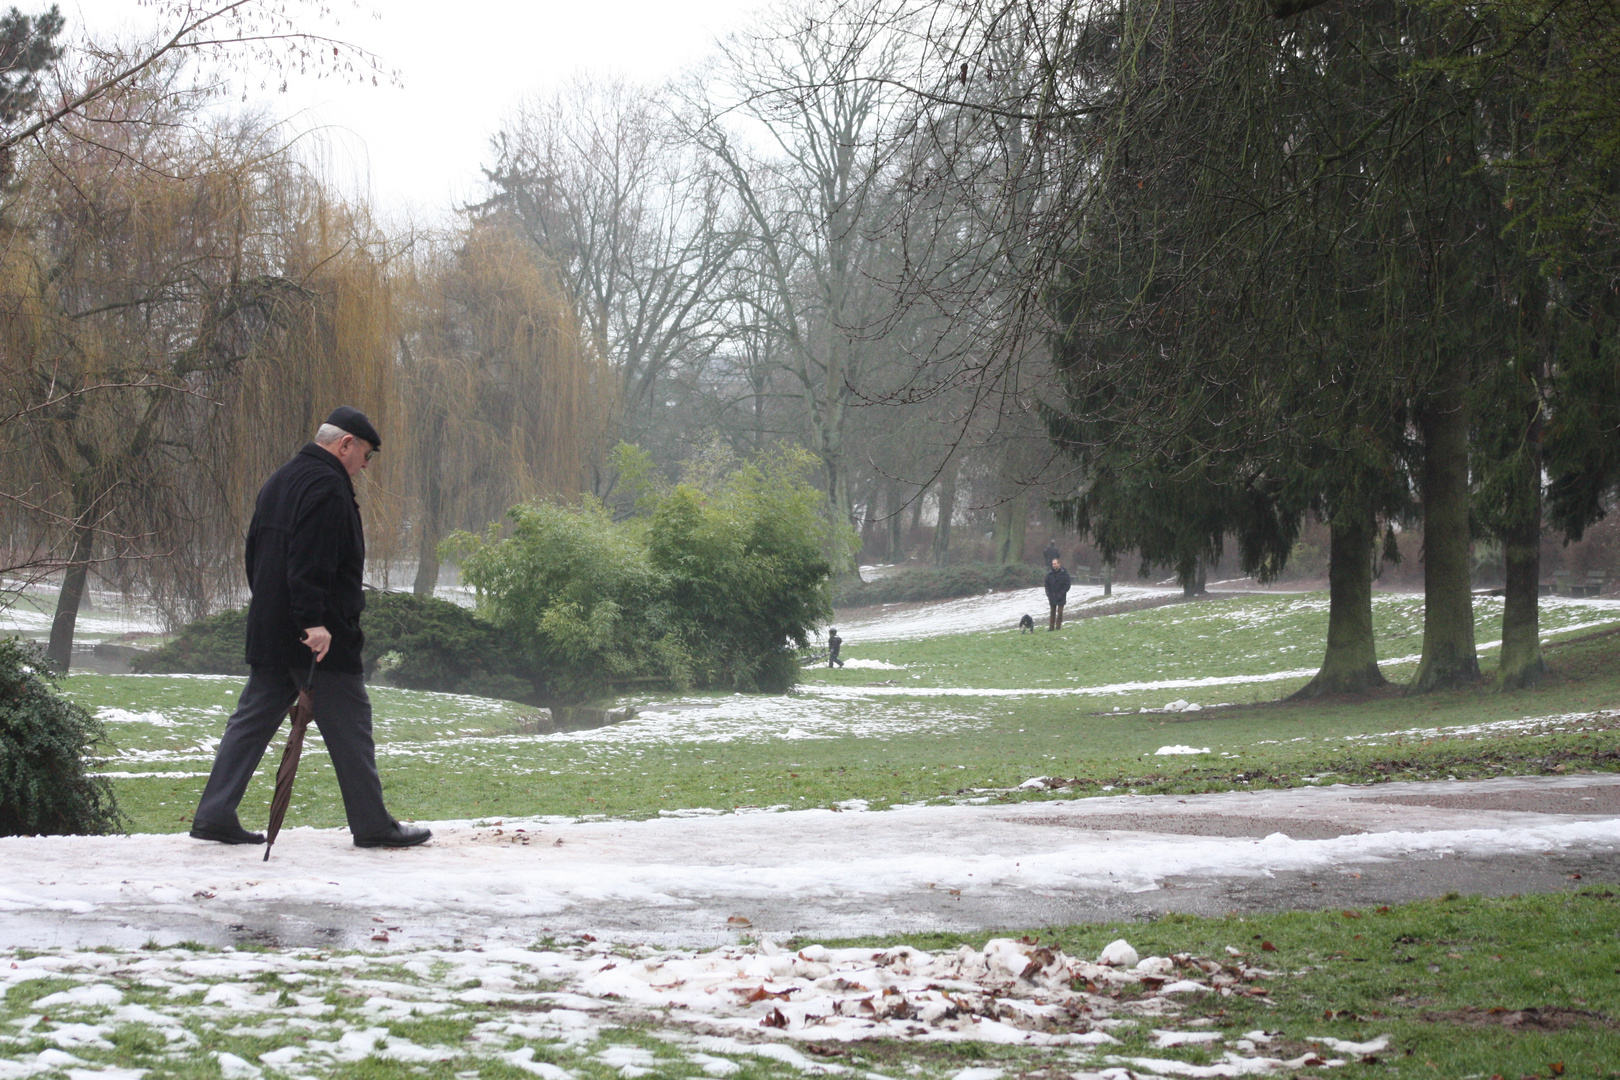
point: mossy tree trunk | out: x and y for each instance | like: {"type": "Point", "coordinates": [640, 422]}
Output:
{"type": "Point", "coordinates": [1521, 664]}
{"type": "Point", "coordinates": [1449, 656]}
{"type": "Point", "coordinates": [1350, 664]}
{"type": "Point", "coordinates": [1012, 520]}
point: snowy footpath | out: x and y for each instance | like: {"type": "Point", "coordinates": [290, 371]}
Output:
{"type": "Point", "coordinates": [700, 880]}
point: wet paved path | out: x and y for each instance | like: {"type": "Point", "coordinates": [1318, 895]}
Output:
{"type": "Point", "coordinates": [703, 880]}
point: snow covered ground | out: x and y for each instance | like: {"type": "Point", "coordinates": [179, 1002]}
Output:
{"type": "Point", "coordinates": [992, 611]}
{"type": "Point", "coordinates": [684, 880]}
{"type": "Point", "coordinates": [557, 1008]}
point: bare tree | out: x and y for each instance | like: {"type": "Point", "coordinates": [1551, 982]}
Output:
{"type": "Point", "coordinates": [636, 218]}
{"type": "Point", "coordinates": [798, 114]}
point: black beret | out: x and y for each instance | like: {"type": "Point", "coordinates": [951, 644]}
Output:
{"type": "Point", "coordinates": [355, 423]}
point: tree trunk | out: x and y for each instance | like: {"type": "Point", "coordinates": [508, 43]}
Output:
{"type": "Point", "coordinates": [1520, 664]}
{"type": "Point", "coordinates": [1197, 584]}
{"type": "Point", "coordinates": [427, 563]}
{"type": "Point", "coordinates": [60, 650]}
{"type": "Point", "coordinates": [941, 546]}
{"type": "Point", "coordinates": [1449, 657]}
{"type": "Point", "coordinates": [1012, 520]}
{"type": "Point", "coordinates": [427, 548]}
{"type": "Point", "coordinates": [897, 525]}
{"type": "Point", "coordinates": [1350, 664]}
{"type": "Point", "coordinates": [842, 519]}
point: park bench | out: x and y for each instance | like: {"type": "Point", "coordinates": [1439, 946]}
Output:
{"type": "Point", "coordinates": [1595, 580]}
{"type": "Point", "coordinates": [1560, 584]}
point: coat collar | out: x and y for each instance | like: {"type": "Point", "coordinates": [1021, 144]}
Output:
{"type": "Point", "coordinates": [326, 457]}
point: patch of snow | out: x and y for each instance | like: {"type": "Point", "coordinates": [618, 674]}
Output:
{"type": "Point", "coordinates": [108, 714]}
{"type": "Point", "coordinates": [1179, 749]}
{"type": "Point", "coordinates": [873, 665]}
{"type": "Point", "coordinates": [1163, 1039]}
{"type": "Point", "coordinates": [1360, 1049]}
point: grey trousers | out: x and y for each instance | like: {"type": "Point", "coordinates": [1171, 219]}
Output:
{"type": "Point", "coordinates": [343, 715]}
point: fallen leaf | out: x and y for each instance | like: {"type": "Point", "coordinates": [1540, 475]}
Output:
{"type": "Point", "coordinates": [774, 1019]}
{"type": "Point", "coordinates": [381, 935]}
{"type": "Point", "coordinates": [1352, 914]}
{"type": "Point", "coordinates": [738, 920]}
{"type": "Point", "coordinates": [1557, 1067]}
{"type": "Point", "coordinates": [1266, 946]}
{"type": "Point", "coordinates": [204, 894]}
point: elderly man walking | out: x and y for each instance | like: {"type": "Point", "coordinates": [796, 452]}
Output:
{"type": "Point", "coordinates": [305, 555]}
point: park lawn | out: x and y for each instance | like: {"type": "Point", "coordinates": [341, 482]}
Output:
{"type": "Point", "coordinates": [1222, 637]}
{"type": "Point", "coordinates": [1450, 981]}
{"type": "Point", "coordinates": [448, 757]}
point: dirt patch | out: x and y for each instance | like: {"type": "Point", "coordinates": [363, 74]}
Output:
{"type": "Point", "coordinates": [1235, 826]}
{"type": "Point", "coordinates": [1599, 800]}
{"type": "Point", "coordinates": [1531, 1019]}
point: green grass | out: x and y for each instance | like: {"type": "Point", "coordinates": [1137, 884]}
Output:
{"type": "Point", "coordinates": [452, 757]}
{"type": "Point", "coordinates": [1428, 974]}
{"type": "Point", "coordinates": [1224, 637]}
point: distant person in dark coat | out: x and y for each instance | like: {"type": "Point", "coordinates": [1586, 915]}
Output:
{"type": "Point", "coordinates": [1050, 553]}
{"type": "Point", "coordinates": [1057, 593]}
{"type": "Point", "coordinates": [306, 551]}
{"type": "Point", "coordinates": [834, 643]}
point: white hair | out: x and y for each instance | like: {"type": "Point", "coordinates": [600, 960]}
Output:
{"type": "Point", "coordinates": [327, 434]}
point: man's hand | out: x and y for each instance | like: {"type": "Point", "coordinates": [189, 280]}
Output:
{"type": "Point", "coordinates": [319, 639]}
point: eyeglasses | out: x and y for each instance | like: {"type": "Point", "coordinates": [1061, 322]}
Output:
{"type": "Point", "coordinates": [371, 453]}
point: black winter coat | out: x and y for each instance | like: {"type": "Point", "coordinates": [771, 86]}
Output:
{"type": "Point", "coordinates": [1057, 586]}
{"type": "Point", "coordinates": [306, 554]}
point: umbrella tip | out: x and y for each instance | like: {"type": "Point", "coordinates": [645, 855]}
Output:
{"type": "Point", "coordinates": [266, 853]}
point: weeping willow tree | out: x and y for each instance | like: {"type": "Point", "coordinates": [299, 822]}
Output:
{"type": "Point", "coordinates": [505, 400]}
{"type": "Point", "coordinates": [179, 303]}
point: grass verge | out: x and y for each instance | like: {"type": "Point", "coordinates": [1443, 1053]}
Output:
{"type": "Point", "coordinates": [1467, 988]}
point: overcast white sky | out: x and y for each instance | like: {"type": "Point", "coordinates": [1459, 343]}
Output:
{"type": "Point", "coordinates": [417, 148]}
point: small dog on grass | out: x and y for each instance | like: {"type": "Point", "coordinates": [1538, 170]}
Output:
{"type": "Point", "coordinates": [1026, 625]}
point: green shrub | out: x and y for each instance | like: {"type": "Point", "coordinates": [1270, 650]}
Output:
{"type": "Point", "coordinates": [44, 739]}
{"type": "Point", "coordinates": [209, 646]}
{"type": "Point", "coordinates": [430, 644]}
{"type": "Point", "coordinates": [433, 644]}
{"type": "Point", "coordinates": [941, 583]}
{"type": "Point", "coordinates": [706, 588]}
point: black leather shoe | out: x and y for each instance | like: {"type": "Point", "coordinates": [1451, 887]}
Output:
{"type": "Point", "coordinates": [398, 836]}
{"type": "Point", "coordinates": [226, 834]}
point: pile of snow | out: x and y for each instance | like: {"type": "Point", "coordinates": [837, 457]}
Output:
{"type": "Point", "coordinates": [874, 665]}
{"type": "Point", "coordinates": [1168, 750]}
{"type": "Point", "coordinates": [320, 1013]}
